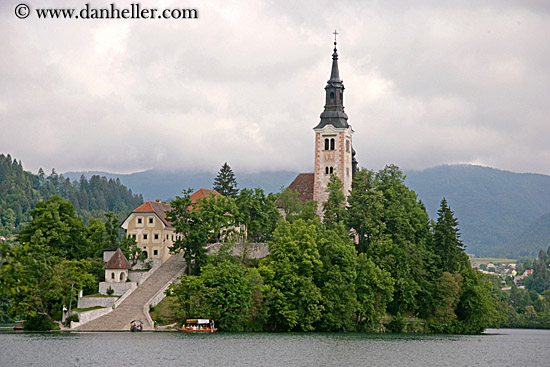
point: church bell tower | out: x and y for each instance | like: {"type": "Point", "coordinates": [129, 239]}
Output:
{"type": "Point", "coordinates": [334, 153]}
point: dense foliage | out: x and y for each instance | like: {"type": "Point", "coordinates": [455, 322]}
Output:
{"type": "Point", "coordinates": [20, 191]}
{"type": "Point", "coordinates": [403, 272]}
{"type": "Point", "coordinates": [55, 257]}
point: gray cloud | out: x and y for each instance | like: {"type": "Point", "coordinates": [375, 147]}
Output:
{"type": "Point", "coordinates": [430, 83]}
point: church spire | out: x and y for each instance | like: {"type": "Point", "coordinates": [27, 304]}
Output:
{"type": "Point", "coordinates": [334, 102]}
{"type": "Point", "coordinates": [334, 73]}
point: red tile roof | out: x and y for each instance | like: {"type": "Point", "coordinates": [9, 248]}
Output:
{"type": "Point", "coordinates": [303, 183]}
{"type": "Point", "coordinates": [118, 261]}
{"type": "Point", "coordinates": [160, 209]}
{"type": "Point", "coordinates": [156, 207]}
{"type": "Point", "coordinates": [203, 193]}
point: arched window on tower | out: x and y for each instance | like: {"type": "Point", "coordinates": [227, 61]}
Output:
{"type": "Point", "coordinates": [331, 170]}
{"type": "Point", "coordinates": [332, 144]}
{"type": "Point", "coordinates": [326, 170]}
{"type": "Point", "coordinates": [347, 146]}
{"type": "Point", "coordinates": [326, 144]}
{"type": "Point", "coordinates": [332, 97]}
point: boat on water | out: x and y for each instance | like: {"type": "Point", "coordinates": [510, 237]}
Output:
{"type": "Point", "coordinates": [136, 326]}
{"type": "Point", "coordinates": [198, 326]}
{"type": "Point", "coordinates": [19, 325]}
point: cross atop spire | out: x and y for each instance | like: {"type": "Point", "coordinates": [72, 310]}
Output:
{"type": "Point", "coordinates": [334, 102]}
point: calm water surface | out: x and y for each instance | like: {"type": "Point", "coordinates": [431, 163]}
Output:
{"type": "Point", "coordinates": [505, 347]}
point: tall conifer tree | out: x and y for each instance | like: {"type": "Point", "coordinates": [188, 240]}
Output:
{"type": "Point", "coordinates": [225, 182]}
{"type": "Point", "coordinates": [446, 240]}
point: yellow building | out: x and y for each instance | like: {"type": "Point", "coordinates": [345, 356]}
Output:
{"type": "Point", "coordinates": [154, 234]}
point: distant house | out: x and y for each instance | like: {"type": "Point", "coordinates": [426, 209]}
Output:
{"type": "Point", "coordinates": [153, 232]}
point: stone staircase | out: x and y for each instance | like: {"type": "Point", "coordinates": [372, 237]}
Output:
{"type": "Point", "coordinates": [132, 308]}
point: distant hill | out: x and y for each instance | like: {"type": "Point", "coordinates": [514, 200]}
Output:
{"type": "Point", "coordinates": [20, 190]}
{"type": "Point", "coordinates": [494, 207]}
{"type": "Point", "coordinates": [164, 185]}
{"type": "Point", "coordinates": [536, 237]}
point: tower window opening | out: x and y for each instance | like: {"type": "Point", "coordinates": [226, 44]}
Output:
{"type": "Point", "coordinates": [332, 97]}
{"type": "Point", "coordinates": [326, 170]}
{"type": "Point", "coordinates": [332, 144]}
{"type": "Point", "coordinates": [326, 144]}
{"type": "Point", "coordinates": [331, 170]}
{"type": "Point", "coordinates": [347, 146]}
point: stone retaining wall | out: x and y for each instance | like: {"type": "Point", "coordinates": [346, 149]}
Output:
{"type": "Point", "coordinates": [90, 301]}
{"type": "Point", "coordinates": [247, 250]}
{"type": "Point", "coordinates": [135, 276]}
{"type": "Point", "coordinates": [88, 316]}
{"type": "Point", "coordinates": [118, 288]}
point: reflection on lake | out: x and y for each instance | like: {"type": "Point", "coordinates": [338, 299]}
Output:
{"type": "Point", "coordinates": [505, 347]}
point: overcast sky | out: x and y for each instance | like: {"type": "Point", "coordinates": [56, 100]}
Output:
{"type": "Point", "coordinates": [427, 83]}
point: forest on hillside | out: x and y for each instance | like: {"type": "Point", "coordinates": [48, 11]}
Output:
{"type": "Point", "coordinates": [21, 190]}
{"type": "Point", "coordinates": [500, 212]}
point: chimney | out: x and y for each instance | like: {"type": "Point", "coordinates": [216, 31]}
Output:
{"type": "Point", "coordinates": [158, 200]}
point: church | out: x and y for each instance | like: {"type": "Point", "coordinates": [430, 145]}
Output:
{"type": "Point", "coordinates": [334, 153]}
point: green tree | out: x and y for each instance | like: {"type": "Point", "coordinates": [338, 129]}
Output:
{"type": "Point", "coordinates": [50, 287]}
{"type": "Point", "coordinates": [225, 291]}
{"type": "Point", "coordinates": [478, 308]}
{"type": "Point", "coordinates": [446, 241]}
{"type": "Point", "coordinates": [334, 208]}
{"type": "Point", "coordinates": [539, 280]}
{"type": "Point", "coordinates": [293, 299]}
{"type": "Point", "coordinates": [219, 216]}
{"type": "Point", "coordinates": [397, 236]}
{"type": "Point", "coordinates": [11, 255]}
{"type": "Point", "coordinates": [209, 219]}
{"type": "Point", "coordinates": [443, 318]}
{"type": "Point", "coordinates": [193, 234]}
{"type": "Point", "coordinates": [337, 278]}
{"type": "Point", "coordinates": [56, 226]}
{"type": "Point", "coordinates": [225, 182]}
{"type": "Point", "coordinates": [365, 205]}
{"type": "Point", "coordinates": [374, 288]}
{"type": "Point", "coordinates": [289, 201]}
{"type": "Point", "coordinates": [258, 214]}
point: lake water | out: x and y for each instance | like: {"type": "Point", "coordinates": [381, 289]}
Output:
{"type": "Point", "coordinates": [504, 347]}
